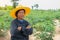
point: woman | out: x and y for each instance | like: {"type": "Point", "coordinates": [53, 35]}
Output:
{"type": "Point", "coordinates": [20, 28]}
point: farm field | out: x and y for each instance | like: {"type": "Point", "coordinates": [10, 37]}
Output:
{"type": "Point", "coordinates": [42, 22]}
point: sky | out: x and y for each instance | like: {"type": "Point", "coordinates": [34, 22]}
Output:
{"type": "Point", "coordinates": [43, 4]}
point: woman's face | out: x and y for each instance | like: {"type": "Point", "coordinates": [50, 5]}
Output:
{"type": "Point", "coordinates": [20, 14]}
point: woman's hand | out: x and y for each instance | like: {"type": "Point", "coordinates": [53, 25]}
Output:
{"type": "Point", "coordinates": [28, 27]}
{"type": "Point", "coordinates": [19, 28]}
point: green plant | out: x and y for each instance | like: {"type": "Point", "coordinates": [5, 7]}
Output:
{"type": "Point", "coordinates": [41, 20]}
{"type": "Point", "coordinates": [46, 36]}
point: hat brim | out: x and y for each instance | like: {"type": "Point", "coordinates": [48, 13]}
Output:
{"type": "Point", "coordinates": [27, 11]}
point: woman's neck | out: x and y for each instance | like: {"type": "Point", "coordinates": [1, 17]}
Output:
{"type": "Point", "coordinates": [19, 19]}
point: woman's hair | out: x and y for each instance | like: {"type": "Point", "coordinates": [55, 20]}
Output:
{"type": "Point", "coordinates": [18, 11]}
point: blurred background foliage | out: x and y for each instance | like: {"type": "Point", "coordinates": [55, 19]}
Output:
{"type": "Point", "coordinates": [40, 20]}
